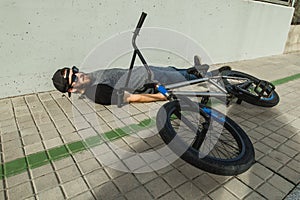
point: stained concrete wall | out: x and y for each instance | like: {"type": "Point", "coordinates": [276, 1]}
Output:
{"type": "Point", "coordinates": [293, 41]}
{"type": "Point", "coordinates": [37, 37]}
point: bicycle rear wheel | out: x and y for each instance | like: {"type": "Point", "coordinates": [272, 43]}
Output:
{"type": "Point", "coordinates": [251, 89]}
{"type": "Point", "coordinates": [205, 138]}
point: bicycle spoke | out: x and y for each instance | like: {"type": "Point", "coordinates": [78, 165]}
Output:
{"type": "Point", "coordinates": [200, 137]}
{"type": "Point", "coordinates": [209, 138]}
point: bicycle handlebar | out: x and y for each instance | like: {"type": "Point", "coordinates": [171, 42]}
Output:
{"type": "Point", "coordinates": [140, 23]}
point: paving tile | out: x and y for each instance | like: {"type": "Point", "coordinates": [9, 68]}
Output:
{"type": "Point", "coordinates": [96, 178]}
{"type": "Point", "coordinates": [9, 145]}
{"type": "Point", "coordinates": [290, 174]}
{"type": "Point", "coordinates": [86, 133]}
{"type": "Point", "coordinates": [250, 179]}
{"type": "Point", "coordinates": [115, 170]}
{"type": "Point", "coordinates": [177, 162]}
{"type": "Point", "coordinates": [101, 149]}
{"type": "Point", "coordinates": [296, 138]}
{"type": "Point", "coordinates": [270, 142]}
{"type": "Point", "coordinates": [295, 165]}
{"type": "Point", "coordinates": [42, 170]}
{"type": "Point", "coordinates": [75, 187]}
{"type": "Point", "coordinates": [25, 125]}
{"type": "Point", "coordinates": [46, 127]}
{"type": "Point", "coordinates": [107, 158]}
{"type": "Point", "coordinates": [190, 171]}
{"type": "Point", "coordinates": [281, 184]}
{"type": "Point", "coordinates": [171, 195]}
{"type": "Point", "coordinates": [287, 150]}
{"type": "Point", "coordinates": [134, 162]}
{"type": "Point", "coordinates": [189, 191]}
{"type": "Point", "coordinates": [271, 163]}
{"type": "Point", "coordinates": [270, 192]}
{"type": "Point", "coordinates": [255, 196]}
{"type": "Point", "coordinates": [48, 135]}
{"type": "Point", "coordinates": [174, 178]}
{"type": "Point", "coordinates": [2, 195]}
{"type": "Point", "coordinates": [222, 193]}
{"type": "Point", "coordinates": [21, 191]}
{"type": "Point", "coordinates": [293, 145]}
{"type": "Point", "coordinates": [139, 193]}
{"type": "Point", "coordinates": [83, 155]}
{"type": "Point", "coordinates": [140, 146]}
{"type": "Point", "coordinates": [17, 179]}
{"type": "Point", "coordinates": [89, 165]}
{"type": "Point", "coordinates": [69, 173]}
{"type": "Point", "coordinates": [8, 129]}
{"type": "Point", "coordinates": [263, 131]}
{"type": "Point", "coordinates": [161, 166]}
{"type": "Point", "coordinates": [69, 129]}
{"type": "Point", "coordinates": [254, 135]}
{"type": "Point", "coordinates": [54, 193]}
{"type": "Point", "coordinates": [280, 157]}
{"type": "Point", "coordinates": [157, 187]}
{"type": "Point", "coordinates": [63, 163]}
{"type": "Point", "coordinates": [71, 137]}
{"type": "Point", "coordinates": [219, 178]}
{"type": "Point", "coordinates": [31, 139]}
{"type": "Point", "coordinates": [206, 183]}
{"type": "Point", "coordinates": [13, 154]}
{"type": "Point", "coordinates": [7, 122]}
{"type": "Point", "coordinates": [84, 196]}
{"type": "Point", "coordinates": [34, 148]}
{"type": "Point", "coordinates": [10, 136]}
{"type": "Point", "coordinates": [54, 142]}
{"type": "Point", "coordinates": [45, 182]}
{"type": "Point", "coordinates": [146, 177]}
{"type": "Point", "coordinates": [261, 171]}
{"type": "Point", "coordinates": [107, 191]}
{"type": "Point", "coordinates": [262, 147]}
{"type": "Point", "coordinates": [126, 182]}
{"type": "Point", "coordinates": [238, 188]}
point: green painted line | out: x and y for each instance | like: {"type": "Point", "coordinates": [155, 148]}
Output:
{"type": "Point", "coordinates": [76, 146]}
{"type": "Point", "coordinates": [45, 157]}
{"type": "Point", "coordinates": [286, 79]}
{"type": "Point", "coordinates": [38, 159]}
{"type": "Point", "coordinates": [90, 142]}
{"type": "Point", "coordinates": [15, 167]}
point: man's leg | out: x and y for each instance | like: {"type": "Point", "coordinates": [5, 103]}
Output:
{"type": "Point", "coordinates": [171, 70]}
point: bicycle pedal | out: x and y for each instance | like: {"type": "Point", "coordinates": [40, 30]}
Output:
{"type": "Point", "coordinates": [264, 89]}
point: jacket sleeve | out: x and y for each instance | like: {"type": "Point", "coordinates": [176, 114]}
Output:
{"type": "Point", "coordinates": [101, 94]}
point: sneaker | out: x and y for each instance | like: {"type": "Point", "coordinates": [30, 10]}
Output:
{"type": "Point", "coordinates": [198, 70]}
{"type": "Point", "coordinates": [217, 72]}
{"type": "Point", "coordinates": [197, 60]}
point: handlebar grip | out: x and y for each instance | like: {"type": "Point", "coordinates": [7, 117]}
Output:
{"type": "Point", "coordinates": [141, 20]}
{"type": "Point", "coordinates": [120, 98]}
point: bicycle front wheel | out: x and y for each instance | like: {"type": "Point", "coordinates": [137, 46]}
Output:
{"type": "Point", "coordinates": [205, 138]}
{"type": "Point", "coordinates": [249, 89]}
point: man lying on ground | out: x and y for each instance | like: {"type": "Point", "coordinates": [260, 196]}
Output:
{"type": "Point", "coordinates": [102, 86]}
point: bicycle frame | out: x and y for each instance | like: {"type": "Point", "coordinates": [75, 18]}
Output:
{"type": "Point", "coordinates": [168, 88]}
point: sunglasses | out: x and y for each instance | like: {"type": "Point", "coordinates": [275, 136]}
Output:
{"type": "Point", "coordinates": [74, 78]}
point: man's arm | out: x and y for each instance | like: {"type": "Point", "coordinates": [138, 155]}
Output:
{"type": "Point", "coordinates": [143, 98]}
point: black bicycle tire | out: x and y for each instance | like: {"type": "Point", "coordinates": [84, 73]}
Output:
{"type": "Point", "coordinates": [191, 155]}
{"type": "Point", "coordinates": [252, 99]}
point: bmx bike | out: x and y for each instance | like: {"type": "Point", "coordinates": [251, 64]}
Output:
{"type": "Point", "coordinates": [199, 134]}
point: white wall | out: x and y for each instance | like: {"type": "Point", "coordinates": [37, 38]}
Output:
{"type": "Point", "coordinates": [37, 37]}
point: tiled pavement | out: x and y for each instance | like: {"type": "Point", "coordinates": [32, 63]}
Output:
{"type": "Point", "coordinates": [56, 148]}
